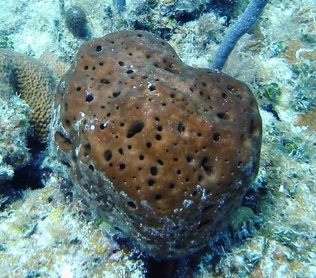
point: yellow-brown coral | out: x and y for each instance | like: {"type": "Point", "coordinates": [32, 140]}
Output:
{"type": "Point", "coordinates": [34, 82]}
{"type": "Point", "coordinates": [58, 65]}
{"type": "Point", "coordinates": [308, 119]}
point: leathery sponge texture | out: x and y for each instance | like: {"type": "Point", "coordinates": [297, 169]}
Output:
{"type": "Point", "coordinates": [164, 151]}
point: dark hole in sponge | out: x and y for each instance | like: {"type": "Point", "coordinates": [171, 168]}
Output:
{"type": "Point", "coordinates": [172, 185]}
{"type": "Point", "coordinates": [103, 125]}
{"type": "Point", "coordinates": [189, 158]}
{"type": "Point", "coordinates": [158, 197]}
{"type": "Point", "coordinates": [104, 81]}
{"type": "Point", "coordinates": [116, 94]}
{"type": "Point", "coordinates": [205, 165]}
{"type": "Point", "coordinates": [64, 143]}
{"type": "Point", "coordinates": [108, 155]}
{"type": "Point", "coordinates": [86, 149]}
{"type": "Point", "coordinates": [89, 98]}
{"type": "Point", "coordinates": [180, 127]}
{"type": "Point", "coordinates": [220, 115]}
{"type": "Point", "coordinates": [131, 204]}
{"type": "Point", "coordinates": [151, 182]}
{"type": "Point", "coordinates": [216, 137]}
{"type": "Point", "coordinates": [151, 88]}
{"type": "Point", "coordinates": [154, 171]}
{"type": "Point", "coordinates": [63, 139]}
{"type": "Point", "coordinates": [135, 128]}
{"type": "Point", "coordinates": [98, 48]}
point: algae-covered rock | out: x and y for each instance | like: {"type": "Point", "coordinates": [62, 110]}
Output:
{"type": "Point", "coordinates": [60, 239]}
{"type": "Point", "coordinates": [14, 128]}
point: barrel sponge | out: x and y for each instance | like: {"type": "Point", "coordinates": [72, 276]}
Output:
{"type": "Point", "coordinates": [34, 82]}
{"type": "Point", "coordinates": [164, 151]}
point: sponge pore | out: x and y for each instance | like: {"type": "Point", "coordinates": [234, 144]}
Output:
{"type": "Point", "coordinates": [162, 150]}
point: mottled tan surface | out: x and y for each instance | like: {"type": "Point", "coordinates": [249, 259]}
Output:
{"type": "Point", "coordinates": [166, 150]}
{"type": "Point", "coordinates": [34, 82]}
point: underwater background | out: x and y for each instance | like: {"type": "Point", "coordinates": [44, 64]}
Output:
{"type": "Point", "coordinates": [45, 232]}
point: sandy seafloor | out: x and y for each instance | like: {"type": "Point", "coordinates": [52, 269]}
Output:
{"type": "Point", "coordinates": [42, 234]}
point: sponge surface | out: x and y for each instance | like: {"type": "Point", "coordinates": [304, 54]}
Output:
{"type": "Point", "coordinates": [163, 150]}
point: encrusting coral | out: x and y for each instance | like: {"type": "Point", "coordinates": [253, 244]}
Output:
{"type": "Point", "coordinates": [34, 82]}
{"type": "Point", "coordinates": [164, 151]}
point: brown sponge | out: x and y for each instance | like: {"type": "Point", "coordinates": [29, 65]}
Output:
{"type": "Point", "coordinates": [164, 151]}
{"type": "Point", "coordinates": [34, 82]}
